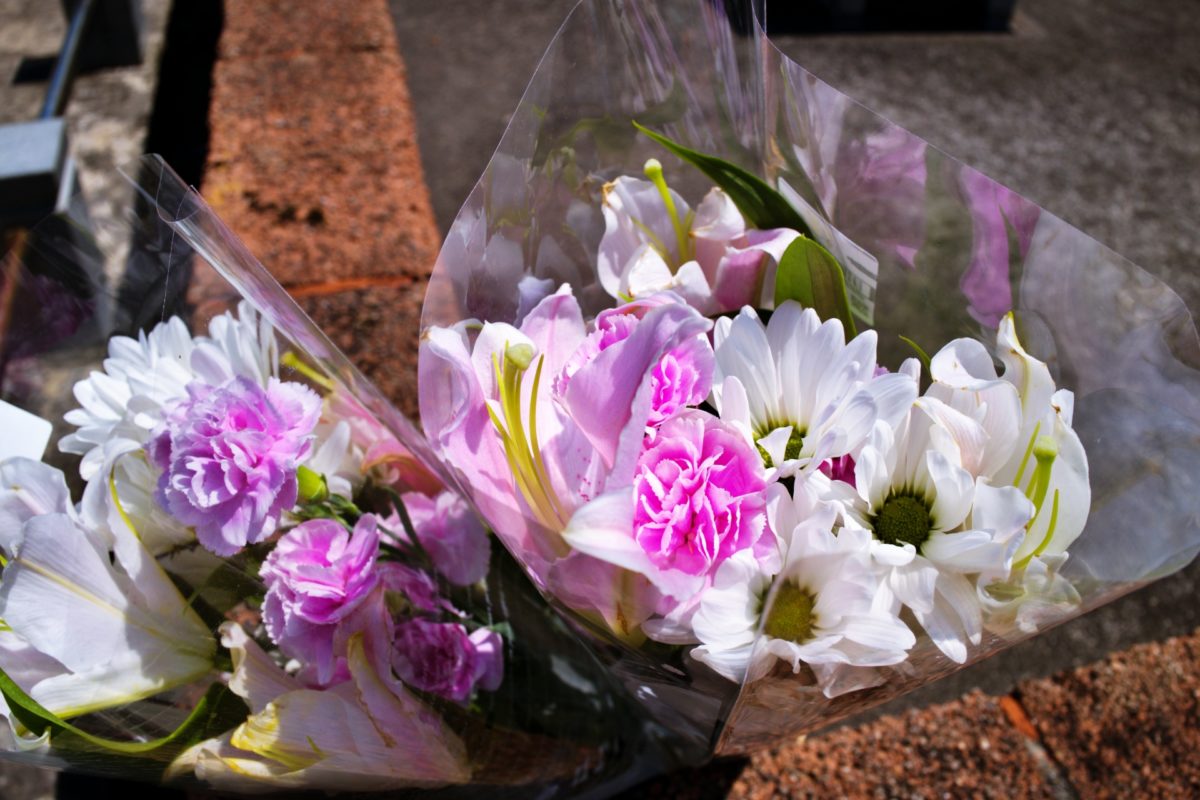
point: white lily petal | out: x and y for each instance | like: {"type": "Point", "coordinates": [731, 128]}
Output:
{"type": "Point", "coordinates": [65, 597]}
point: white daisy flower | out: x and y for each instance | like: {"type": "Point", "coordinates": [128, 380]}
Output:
{"type": "Point", "coordinates": [935, 528]}
{"type": "Point", "coordinates": [121, 405]}
{"type": "Point", "coordinates": [826, 609]}
{"type": "Point", "coordinates": [798, 390]}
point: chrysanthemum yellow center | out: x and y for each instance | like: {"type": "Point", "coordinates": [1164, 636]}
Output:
{"type": "Point", "coordinates": [795, 446]}
{"type": "Point", "coordinates": [791, 617]}
{"type": "Point", "coordinates": [904, 519]}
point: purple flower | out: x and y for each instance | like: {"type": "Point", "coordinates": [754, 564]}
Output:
{"type": "Point", "coordinates": [317, 576]}
{"type": "Point", "coordinates": [441, 658]}
{"type": "Point", "coordinates": [682, 378]}
{"type": "Point", "coordinates": [418, 589]}
{"type": "Point", "coordinates": [699, 495]}
{"type": "Point", "coordinates": [229, 457]}
{"type": "Point", "coordinates": [451, 533]}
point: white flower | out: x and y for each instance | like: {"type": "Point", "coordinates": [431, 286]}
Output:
{"type": "Point", "coordinates": [826, 608]}
{"type": "Point", "coordinates": [121, 405]}
{"type": "Point", "coordinates": [798, 390]}
{"type": "Point", "coordinates": [367, 734]}
{"type": "Point", "coordinates": [653, 242]}
{"type": "Point", "coordinates": [1031, 444]}
{"type": "Point", "coordinates": [28, 489]}
{"type": "Point", "coordinates": [1035, 596]}
{"type": "Point", "coordinates": [336, 457]}
{"type": "Point", "coordinates": [935, 528]}
{"type": "Point", "coordinates": [646, 245]}
{"type": "Point", "coordinates": [104, 610]}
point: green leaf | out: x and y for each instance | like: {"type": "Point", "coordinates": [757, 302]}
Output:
{"type": "Point", "coordinates": [921, 354]}
{"type": "Point", "coordinates": [218, 711]}
{"type": "Point", "coordinates": [762, 206]}
{"type": "Point", "coordinates": [810, 275]}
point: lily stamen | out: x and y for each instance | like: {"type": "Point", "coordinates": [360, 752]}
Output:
{"type": "Point", "coordinates": [654, 171]}
{"type": "Point", "coordinates": [522, 450]}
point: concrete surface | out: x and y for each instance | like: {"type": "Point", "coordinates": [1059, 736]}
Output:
{"type": "Point", "coordinates": [1091, 108]}
{"type": "Point", "coordinates": [108, 112]}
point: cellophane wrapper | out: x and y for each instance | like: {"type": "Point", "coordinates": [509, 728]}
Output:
{"type": "Point", "coordinates": [154, 653]}
{"type": "Point", "coordinates": [932, 250]}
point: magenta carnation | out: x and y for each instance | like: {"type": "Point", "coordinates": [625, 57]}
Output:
{"type": "Point", "coordinates": [699, 494]}
{"type": "Point", "coordinates": [317, 576]}
{"type": "Point", "coordinates": [441, 658]}
{"type": "Point", "coordinates": [682, 378]}
{"type": "Point", "coordinates": [229, 457]}
{"type": "Point", "coordinates": [839, 469]}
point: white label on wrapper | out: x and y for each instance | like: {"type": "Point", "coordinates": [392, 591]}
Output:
{"type": "Point", "coordinates": [861, 268]}
{"type": "Point", "coordinates": [22, 434]}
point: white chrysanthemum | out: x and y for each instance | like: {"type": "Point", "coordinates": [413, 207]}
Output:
{"type": "Point", "coordinates": [798, 390]}
{"type": "Point", "coordinates": [936, 529]}
{"type": "Point", "coordinates": [826, 608]}
{"type": "Point", "coordinates": [121, 405]}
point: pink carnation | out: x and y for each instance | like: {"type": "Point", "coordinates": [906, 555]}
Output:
{"type": "Point", "coordinates": [229, 457]}
{"type": "Point", "coordinates": [699, 494]}
{"type": "Point", "coordinates": [317, 576]}
{"type": "Point", "coordinates": [441, 658]}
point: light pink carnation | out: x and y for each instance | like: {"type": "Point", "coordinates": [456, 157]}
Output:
{"type": "Point", "coordinates": [317, 576]}
{"type": "Point", "coordinates": [699, 494]}
{"type": "Point", "coordinates": [229, 457]}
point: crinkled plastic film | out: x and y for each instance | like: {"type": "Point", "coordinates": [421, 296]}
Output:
{"type": "Point", "coordinates": [933, 250]}
{"type": "Point", "coordinates": [554, 724]}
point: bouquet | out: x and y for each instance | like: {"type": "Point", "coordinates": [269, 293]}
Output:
{"type": "Point", "coordinates": [246, 580]}
{"type": "Point", "coordinates": [789, 412]}
{"type": "Point", "coordinates": [742, 410]}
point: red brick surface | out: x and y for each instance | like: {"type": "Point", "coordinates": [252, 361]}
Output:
{"type": "Point", "coordinates": [967, 748]}
{"type": "Point", "coordinates": [1128, 726]}
{"type": "Point", "coordinates": [268, 27]}
{"type": "Point", "coordinates": [318, 168]}
{"type": "Point", "coordinates": [377, 328]}
{"type": "Point", "coordinates": [313, 162]}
